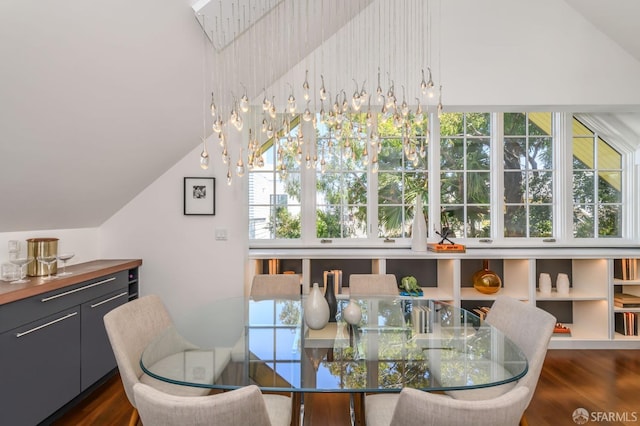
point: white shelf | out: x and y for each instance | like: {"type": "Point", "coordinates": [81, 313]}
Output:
{"type": "Point", "coordinates": [620, 309]}
{"type": "Point", "coordinates": [590, 315]}
{"type": "Point", "coordinates": [618, 281]}
{"type": "Point", "coordinates": [470, 293]}
{"type": "Point", "coordinates": [574, 295]}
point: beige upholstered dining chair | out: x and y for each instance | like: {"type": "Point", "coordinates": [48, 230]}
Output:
{"type": "Point", "coordinates": [130, 328]}
{"type": "Point", "coordinates": [243, 406]}
{"type": "Point", "coordinates": [373, 285]}
{"type": "Point", "coordinates": [413, 407]}
{"type": "Point", "coordinates": [275, 285]}
{"type": "Point", "coordinates": [530, 328]}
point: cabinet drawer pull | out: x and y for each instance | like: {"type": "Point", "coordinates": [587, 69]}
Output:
{"type": "Point", "coordinates": [47, 324]}
{"type": "Point", "coordinates": [66, 293]}
{"type": "Point", "coordinates": [110, 299]}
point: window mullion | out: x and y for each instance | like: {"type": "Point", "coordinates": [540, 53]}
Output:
{"type": "Point", "coordinates": [563, 177]}
{"type": "Point", "coordinates": [308, 189]}
{"type": "Point", "coordinates": [435, 219]}
{"type": "Point", "coordinates": [372, 190]}
{"type": "Point", "coordinates": [497, 177]}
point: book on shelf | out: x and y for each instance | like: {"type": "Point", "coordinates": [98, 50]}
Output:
{"type": "Point", "coordinates": [624, 300]}
{"type": "Point", "coordinates": [626, 323]}
{"type": "Point", "coordinates": [561, 330]}
{"type": "Point", "coordinates": [625, 269]}
{"type": "Point", "coordinates": [481, 311]}
{"type": "Point", "coordinates": [446, 248]}
{"type": "Point", "coordinates": [422, 318]}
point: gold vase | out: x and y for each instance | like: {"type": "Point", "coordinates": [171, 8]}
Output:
{"type": "Point", "coordinates": [485, 280]}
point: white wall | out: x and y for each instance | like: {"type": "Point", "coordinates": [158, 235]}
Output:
{"type": "Point", "coordinates": [182, 261]}
{"type": "Point", "coordinates": [485, 53]}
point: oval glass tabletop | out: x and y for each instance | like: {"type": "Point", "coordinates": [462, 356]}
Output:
{"type": "Point", "coordinates": [398, 342]}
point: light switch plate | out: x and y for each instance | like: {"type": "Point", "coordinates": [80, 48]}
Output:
{"type": "Point", "coordinates": [221, 234]}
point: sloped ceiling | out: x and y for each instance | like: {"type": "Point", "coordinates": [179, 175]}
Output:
{"type": "Point", "coordinates": [98, 99]}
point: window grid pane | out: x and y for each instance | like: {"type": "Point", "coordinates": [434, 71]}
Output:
{"type": "Point", "coordinates": [402, 175]}
{"type": "Point", "coordinates": [465, 178]}
{"type": "Point", "coordinates": [528, 175]}
{"type": "Point", "coordinates": [597, 185]}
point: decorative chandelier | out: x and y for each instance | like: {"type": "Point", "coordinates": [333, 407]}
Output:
{"type": "Point", "coordinates": [349, 119]}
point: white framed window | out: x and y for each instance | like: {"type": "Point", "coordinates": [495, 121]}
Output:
{"type": "Point", "coordinates": [465, 173]}
{"type": "Point", "coordinates": [354, 180]}
{"type": "Point", "coordinates": [528, 153]}
{"type": "Point", "coordinates": [597, 185]}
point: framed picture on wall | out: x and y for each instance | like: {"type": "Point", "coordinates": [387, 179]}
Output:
{"type": "Point", "coordinates": [199, 196]}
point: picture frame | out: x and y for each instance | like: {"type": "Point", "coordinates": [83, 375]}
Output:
{"type": "Point", "coordinates": [199, 196]}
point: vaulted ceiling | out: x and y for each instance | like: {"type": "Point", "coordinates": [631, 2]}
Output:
{"type": "Point", "coordinates": [98, 99]}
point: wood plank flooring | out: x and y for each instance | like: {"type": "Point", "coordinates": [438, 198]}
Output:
{"type": "Point", "coordinates": [601, 381]}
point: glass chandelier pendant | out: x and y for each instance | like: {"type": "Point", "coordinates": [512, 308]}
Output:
{"type": "Point", "coordinates": [266, 104]}
{"type": "Point", "coordinates": [364, 96]}
{"type": "Point", "coordinates": [355, 98]}
{"type": "Point", "coordinates": [305, 86]}
{"type": "Point", "coordinates": [306, 115]}
{"type": "Point", "coordinates": [323, 91]}
{"type": "Point", "coordinates": [440, 103]}
{"type": "Point", "coordinates": [240, 166]}
{"type": "Point", "coordinates": [291, 102]}
{"type": "Point", "coordinates": [418, 118]}
{"type": "Point", "coordinates": [225, 155]}
{"type": "Point", "coordinates": [229, 176]}
{"type": "Point", "coordinates": [272, 108]}
{"type": "Point", "coordinates": [430, 85]}
{"type": "Point", "coordinates": [204, 156]}
{"type": "Point", "coordinates": [238, 123]}
{"type": "Point", "coordinates": [423, 84]}
{"type": "Point", "coordinates": [213, 107]}
{"type": "Point", "coordinates": [379, 89]}
{"type": "Point", "coordinates": [244, 100]}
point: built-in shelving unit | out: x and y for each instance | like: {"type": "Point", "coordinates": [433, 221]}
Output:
{"type": "Point", "coordinates": [588, 309]}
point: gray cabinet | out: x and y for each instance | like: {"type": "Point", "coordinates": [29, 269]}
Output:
{"type": "Point", "coordinates": [96, 355]}
{"type": "Point", "coordinates": [54, 345]}
{"type": "Point", "coordinates": [39, 367]}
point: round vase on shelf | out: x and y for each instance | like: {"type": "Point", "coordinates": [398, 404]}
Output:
{"type": "Point", "coordinates": [316, 309]}
{"type": "Point", "coordinates": [485, 280]}
{"type": "Point", "coordinates": [419, 227]}
{"type": "Point", "coordinates": [544, 283]}
{"type": "Point", "coordinates": [352, 313]}
{"type": "Point", "coordinates": [330, 296]}
{"type": "Point", "coordinates": [562, 284]}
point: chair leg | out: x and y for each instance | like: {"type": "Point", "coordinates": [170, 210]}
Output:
{"type": "Point", "coordinates": [133, 420]}
{"type": "Point", "coordinates": [523, 421]}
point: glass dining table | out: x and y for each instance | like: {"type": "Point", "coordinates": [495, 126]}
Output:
{"type": "Point", "coordinates": [398, 342]}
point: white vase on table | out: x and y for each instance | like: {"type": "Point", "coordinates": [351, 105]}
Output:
{"type": "Point", "coordinates": [419, 227]}
{"type": "Point", "coordinates": [316, 309]}
{"type": "Point", "coordinates": [352, 313]}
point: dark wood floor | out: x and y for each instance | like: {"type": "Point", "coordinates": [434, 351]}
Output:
{"type": "Point", "coordinates": [601, 381]}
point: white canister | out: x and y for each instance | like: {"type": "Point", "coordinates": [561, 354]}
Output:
{"type": "Point", "coordinates": [544, 283]}
{"type": "Point", "coordinates": [562, 283]}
